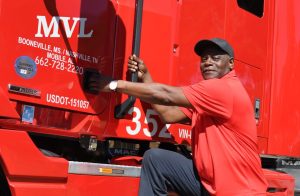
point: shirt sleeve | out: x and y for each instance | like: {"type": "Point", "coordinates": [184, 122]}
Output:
{"type": "Point", "coordinates": [213, 97]}
{"type": "Point", "coordinates": [187, 112]}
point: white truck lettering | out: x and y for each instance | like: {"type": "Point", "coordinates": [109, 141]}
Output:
{"type": "Point", "coordinates": [46, 28]}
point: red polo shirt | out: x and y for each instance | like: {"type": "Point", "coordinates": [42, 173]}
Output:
{"type": "Point", "coordinates": [224, 138]}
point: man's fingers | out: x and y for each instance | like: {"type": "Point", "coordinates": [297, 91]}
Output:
{"type": "Point", "coordinates": [132, 62]}
{"type": "Point", "coordinates": [132, 70]}
{"type": "Point", "coordinates": [133, 66]}
{"type": "Point", "coordinates": [137, 59]}
{"type": "Point", "coordinates": [135, 63]}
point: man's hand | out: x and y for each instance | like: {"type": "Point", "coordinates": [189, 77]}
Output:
{"type": "Point", "coordinates": [98, 83]}
{"type": "Point", "coordinates": [136, 64]}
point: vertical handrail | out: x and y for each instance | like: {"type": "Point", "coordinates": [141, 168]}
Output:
{"type": "Point", "coordinates": [122, 109]}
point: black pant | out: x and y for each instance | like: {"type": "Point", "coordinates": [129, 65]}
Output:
{"type": "Point", "coordinates": [164, 171]}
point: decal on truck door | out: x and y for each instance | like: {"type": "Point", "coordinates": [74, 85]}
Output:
{"type": "Point", "coordinates": [57, 58]}
{"type": "Point", "coordinates": [25, 67]}
{"type": "Point", "coordinates": [28, 114]}
{"type": "Point", "coordinates": [68, 101]}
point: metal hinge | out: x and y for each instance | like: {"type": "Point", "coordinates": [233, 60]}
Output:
{"type": "Point", "coordinates": [257, 108]}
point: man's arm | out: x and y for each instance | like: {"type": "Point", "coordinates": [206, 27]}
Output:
{"type": "Point", "coordinates": [170, 114]}
{"type": "Point", "coordinates": [164, 99]}
{"type": "Point", "coordinates": [154, 93]}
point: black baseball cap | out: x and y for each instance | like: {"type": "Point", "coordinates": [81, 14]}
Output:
{"type": "Point", "coordinates": [220, 43]}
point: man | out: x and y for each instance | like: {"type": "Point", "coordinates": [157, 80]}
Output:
{"type": "Point", "coordinates": [224, 147]}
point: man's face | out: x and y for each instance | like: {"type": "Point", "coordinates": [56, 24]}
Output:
{"type": "Point", "coordinates": [215, 63]}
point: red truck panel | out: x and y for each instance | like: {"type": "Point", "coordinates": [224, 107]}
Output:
{"type": "Point", "coordinates": [80, 185]}
{"type": "Point", "coordinates": [284, 102]}
{"type": "Point", "coordinates": [29, 172]}
{"type": "Point", "coordinates": [279, 184]}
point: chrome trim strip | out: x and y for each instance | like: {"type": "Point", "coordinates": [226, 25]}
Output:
{"type": "Point", "coordinates": [24, 90]}
{"type": "Point", "coordinates": [103, 169]}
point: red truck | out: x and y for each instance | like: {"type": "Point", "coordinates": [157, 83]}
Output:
{"type": "Point", "coordinates": [59, 138]}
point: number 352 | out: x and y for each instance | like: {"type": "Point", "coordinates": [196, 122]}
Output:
{"type": "Point", "coordinates": [163, 133]}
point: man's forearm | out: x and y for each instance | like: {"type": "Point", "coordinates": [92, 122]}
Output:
{"type": "Point", "coordinates": [160, 109]}
{"type": "Point", "coordinates": [147, 92]}
{"type": "Point", "coordinates": [153, 93]}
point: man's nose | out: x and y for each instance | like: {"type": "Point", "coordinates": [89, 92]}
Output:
{"type": "Point", "coordinates": [208, 61]}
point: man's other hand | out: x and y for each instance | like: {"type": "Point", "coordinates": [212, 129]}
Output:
{"type": "Point", "coordinates": [98, 83]}
{"type": "Point", "coordinates": [135, 64]}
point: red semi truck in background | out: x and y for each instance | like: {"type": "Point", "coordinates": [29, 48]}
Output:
{"type": "Point", "coordinates": [59, 138]}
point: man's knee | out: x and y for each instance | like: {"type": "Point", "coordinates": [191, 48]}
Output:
{"type": "Point", "coordinates": [153, 154]}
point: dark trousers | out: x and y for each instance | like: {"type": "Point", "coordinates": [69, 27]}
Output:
{"type": "Point", "coordinates": [165, 171]}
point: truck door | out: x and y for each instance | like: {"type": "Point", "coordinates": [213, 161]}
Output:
{"type": "Point", "coordinates": [244, 19]}
{"type": "Point", "coordinates": [46, 47]}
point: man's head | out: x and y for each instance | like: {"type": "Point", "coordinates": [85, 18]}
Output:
{"type": "Point", "coordinates": [217, 57]}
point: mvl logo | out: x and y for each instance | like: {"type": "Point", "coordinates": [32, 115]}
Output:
{"type": "Point", "coordinates": [51, 30]}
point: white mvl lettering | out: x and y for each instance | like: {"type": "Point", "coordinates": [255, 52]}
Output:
{"type": "Point", "coordinates": [184, 133]}
{"type": "Point", "coordinates": [54, 24]}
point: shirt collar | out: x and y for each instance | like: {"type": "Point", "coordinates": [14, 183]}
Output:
{"type": "Point", "coordinates": [229, 75]}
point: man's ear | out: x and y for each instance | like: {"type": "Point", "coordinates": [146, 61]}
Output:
{"type": "Point", "coordinates": [231, 63]}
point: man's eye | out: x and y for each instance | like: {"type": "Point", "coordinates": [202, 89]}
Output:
{"type": "Point", "coordinates": [204, 58]}
{"type": "Point", "coordinates": [216, 58]}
